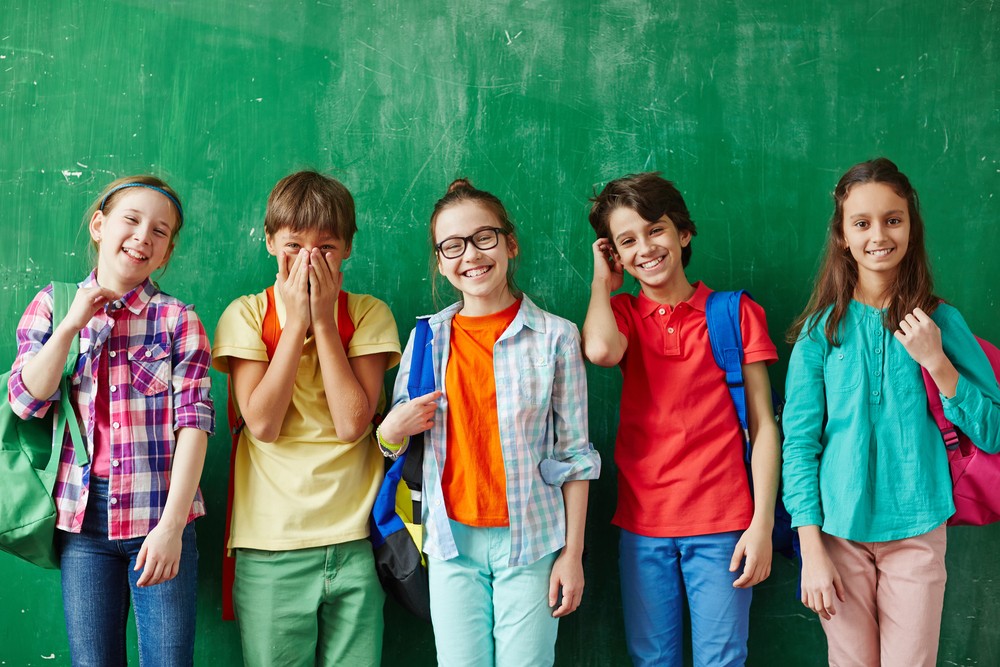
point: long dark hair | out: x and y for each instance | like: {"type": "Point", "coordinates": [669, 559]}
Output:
{"type": "Point", "coordinates": [913, 286]}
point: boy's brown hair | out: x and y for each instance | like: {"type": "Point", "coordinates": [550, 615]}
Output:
{"type": "Point", "coordinates": [648, 194]}
{"type": "Point", "coordinates": [310, 200]}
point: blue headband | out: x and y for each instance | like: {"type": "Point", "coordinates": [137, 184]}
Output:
{"type": "Point", "coordinates": [180, 211]}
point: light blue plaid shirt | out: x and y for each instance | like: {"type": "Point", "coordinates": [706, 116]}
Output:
{"type": "Point", "coordinates": [541, 388]}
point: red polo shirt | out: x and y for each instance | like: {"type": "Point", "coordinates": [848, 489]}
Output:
{"type": "Point", "coordinates": [679, 449]}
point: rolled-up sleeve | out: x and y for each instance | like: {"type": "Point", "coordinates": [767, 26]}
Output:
{"type": "Point", "coordinates": [573, 456]}
{"type": "Point", "coordinates": [193, 407]}
{"type": "Point", "coordinates": [33, 330]}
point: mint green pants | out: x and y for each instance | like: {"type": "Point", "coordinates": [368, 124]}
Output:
{"type": "Point", "coordinates": [306, 607]}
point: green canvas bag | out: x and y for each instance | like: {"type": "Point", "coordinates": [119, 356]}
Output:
{"type": "Point", "coordinates": [29, 458]}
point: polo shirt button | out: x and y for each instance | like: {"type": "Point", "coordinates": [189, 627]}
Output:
{"type": "Point", "coordinates": [115, 425]}
{"type": "Point", "coordinates": [661, 311]}
{"type": "Point", "coordinates": [670, 329]}
{"type": "Point", "coordinates": [113, 501]}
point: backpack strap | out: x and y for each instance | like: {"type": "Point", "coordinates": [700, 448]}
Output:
{"type": "Point", "coordinates": [270, 334]}
{"type": "Point", "coordinates": [62, 298]}
{"type": "Point", "coordinates": [722, 313]}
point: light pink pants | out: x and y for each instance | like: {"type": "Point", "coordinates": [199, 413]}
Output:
{"type": "Point", "coordinates": [895, 593]}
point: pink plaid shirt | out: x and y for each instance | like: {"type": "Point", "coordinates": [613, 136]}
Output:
{"type": "Point", "coordinates": [158, 358]}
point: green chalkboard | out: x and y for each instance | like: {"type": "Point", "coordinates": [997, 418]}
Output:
{"type": "Point", "coordinates": [753, 107]}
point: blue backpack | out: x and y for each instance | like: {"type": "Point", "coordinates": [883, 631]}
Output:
{"type": "Point", "coordinates": [396, 531]}
{"type": "Point", "coordinates": [722, 312]}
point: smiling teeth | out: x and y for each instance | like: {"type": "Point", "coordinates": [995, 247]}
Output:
{"type": "Point", "coordinates": [651, 263]}
{"type": "Point", "coordinates": [880, 253]}
{"type": "Point", "coordinates": [134, 255]}
{"type": "Point", "coordinates": [475, 273]}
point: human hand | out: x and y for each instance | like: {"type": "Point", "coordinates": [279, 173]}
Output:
{"type": "Point", "coordinates": [293, 284]}
{"type": "Point", "coordinates": [921, 338]}
{"type": "Point", "coordinates": [160, 555]}
{"type": "Point", "coordinates": [607, 268]}
{"type": "Point", "coordinates": [567, 574]}
{"type": "Point", "coordinates": [86, 302]}
{"type": "Point", "coordinates": [406, 419]}
{"type": "Point", "coordinates": [820, 582]}
{"type": "Point", "coordinates": [325, 281]}
{"type": "Point", "coordinates": [755, 546]}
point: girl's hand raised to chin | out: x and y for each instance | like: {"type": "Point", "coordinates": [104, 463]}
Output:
{"type": "Point", "coordinates": [86, 303]}
{"type": "Point", "coordinates": [607, 268]}
{"type": "Point", "coordinates": [325, 280]}
{"type": "Point", "coordinates": [293, 283]}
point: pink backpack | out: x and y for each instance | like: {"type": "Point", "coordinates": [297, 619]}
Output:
{"type": "Point", "coordinates": [975, 475]}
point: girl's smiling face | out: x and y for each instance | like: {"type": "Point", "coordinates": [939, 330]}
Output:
{"type": "Point", "coordinates": [480, 275]}
{"type": "Point", "coordinates": [134, 237]}
{"type": "Point", "coordinates": [876, 230]}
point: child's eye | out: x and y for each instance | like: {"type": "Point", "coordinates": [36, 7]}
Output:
{"type": "Point", "coordinates": [292, 246]}
{"type": "Point", "coordinates": [625, 242]}
{"type": "Point", "coordinates": [160, 232]}
{"type": "Point", "coordinates": [861, 224]}
{"type": "Point", "coordinates": [895, 221]}
{"type": "Point", "coordinates": [451, 246]}
{"type": "Point", "coordinates": [655, 230]}
{"type": "Point", "coordinates": [131, 219]}
{"type": "Point", "coordinates": [328, 248]}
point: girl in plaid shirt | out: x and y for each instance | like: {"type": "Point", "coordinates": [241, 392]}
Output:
{"type": "Point", "coordinates": [141, 392]}
{"type": "Point", "coordinates": [508, 461]}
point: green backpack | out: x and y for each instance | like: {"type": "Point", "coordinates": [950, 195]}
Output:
{"type": "Point", "coordinates": [29, 458]}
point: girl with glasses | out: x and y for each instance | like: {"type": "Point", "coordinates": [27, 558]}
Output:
{"type": "Point", "coordinates": [508, 461]}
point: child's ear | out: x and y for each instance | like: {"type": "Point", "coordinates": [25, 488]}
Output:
{"type": "Point", "coordinates": [512, 247]}
{"type": "Point", "coordinates": [685, 237]}
{"type": "Point", "coordinates": [347, 251]}
{"type": "Point", "coordinates": [96, 221]}
{"type": "Point", "coordinates": [269, 244]}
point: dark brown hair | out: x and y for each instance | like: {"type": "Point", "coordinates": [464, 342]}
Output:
{"type": "Point", "coordinates": [648, 194]}
{"type": "Point", "coordinates": [309, 200]}
{"type": "Point", "coordinates": [461, 191]}
{"type": "Point", "coordinates": [913, 286]}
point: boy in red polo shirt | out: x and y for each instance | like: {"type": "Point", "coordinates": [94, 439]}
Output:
{"type": "Point", "coordinates": [689, 524]}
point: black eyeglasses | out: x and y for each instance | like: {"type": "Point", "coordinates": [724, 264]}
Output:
{"type": "Point", "coordinates": [454, 246]}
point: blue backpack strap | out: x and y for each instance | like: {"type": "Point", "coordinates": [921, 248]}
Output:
{"type": "Point", "coordinates": [722, 313]}
{"type": "Point", "coordinates": [421, 380]}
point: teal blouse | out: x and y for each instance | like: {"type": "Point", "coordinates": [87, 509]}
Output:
{"type": "Point", "coordinates": [863, 458]}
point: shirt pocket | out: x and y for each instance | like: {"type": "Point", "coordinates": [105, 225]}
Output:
{"type": "Point", "coordinates": [149, 366]}
{"type": "Point", "coordinates": [904, 372]}
{"type": "Point", "coordinates": [535, 378]}
{"type": "Point", "coordinates": [843, 370]}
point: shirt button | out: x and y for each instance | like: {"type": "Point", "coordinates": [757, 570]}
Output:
{"type": "Point", "coordinates": [878, 373]}
{"type": "Point", "coordinates": [670, 329]}
{"type": "Point", "coordinates": [148, 353]}
{"type": "Point", "coordinates": [113, 500]}
{"type": "Point", "coordinates": [113, 389]}
{"type": "Point", "coordinates": [661, 311]}
{"type": "Point", "coordinates": [874, 393]}
{"type": "Point", "coordinates": [115, 463]}
{"type": "Point", "coordinates": [112, 354]}
{"type": "Point", "coordinates": [437, 503]}
{"type": "Point", "coordinates": [840, 356]}
{"type": "Point", "coordinates": [115, 425]}
{"type": "Point", "coordinates": [878, 350]}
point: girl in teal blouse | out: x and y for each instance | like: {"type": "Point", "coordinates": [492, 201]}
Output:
{"type": "Point", "coordinates": [865, 469]}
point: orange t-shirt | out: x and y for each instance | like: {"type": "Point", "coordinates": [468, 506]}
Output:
{"type": "Point", "coordinates": [474, 482]}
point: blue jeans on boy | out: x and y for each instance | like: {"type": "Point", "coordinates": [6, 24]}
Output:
{"type": "Point", "coordinates": [97, 581]}
{"type": "Point", "coordinates": [657, 574]}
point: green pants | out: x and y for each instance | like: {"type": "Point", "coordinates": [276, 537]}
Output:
{"type": "Point", "coordinates": [305, 607]}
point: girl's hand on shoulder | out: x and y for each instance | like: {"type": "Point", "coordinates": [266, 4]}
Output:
{"type": "Point", "coordinates": [160, 555]}
{"type": "Point", "coordinates": [567, 579]}
{"type": "Point", "coordinates": [86, 303]}
{"type": "Point", "coordinates": [325, 281]}
{"type": "Point", "coordinates": [406, 419]}
{"type": "Point", "coordinates": [293, 283]}
{"type": "Point", "coordinates": [607, 268]}
{"type": "Point", "coordinates": [755, 546]}
{"type": "Point", "coordinates": [921, 338]}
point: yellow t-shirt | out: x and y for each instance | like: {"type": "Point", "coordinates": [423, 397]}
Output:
{"type": "Point", "coordinates": [307, 488]}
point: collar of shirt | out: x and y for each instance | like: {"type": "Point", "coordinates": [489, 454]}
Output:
{"type": "Point", "coordinates": [648, 307]}
{"type": "Point", "coordinates": [528, 315]}
{"type": "Point", "coordinates": [135, 300]}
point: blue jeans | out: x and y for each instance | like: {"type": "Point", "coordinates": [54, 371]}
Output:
{"type": "Point", "coordinates": [97, 581]}
{"type": "Point", "coordinates": [486, 612]}
{"type": "Point", "coordinates": [657, 573]}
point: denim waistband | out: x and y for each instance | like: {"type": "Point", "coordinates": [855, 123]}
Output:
{"type": "Point", "coordinates": [99, 486]}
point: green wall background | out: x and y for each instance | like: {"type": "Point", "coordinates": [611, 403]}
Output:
{"type": "Point", "coordinates": [754, 108]}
